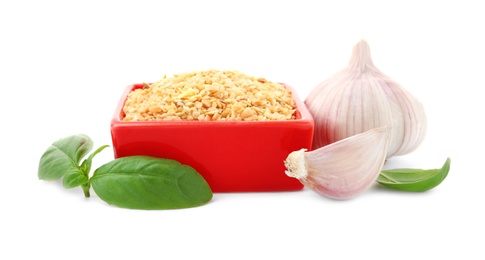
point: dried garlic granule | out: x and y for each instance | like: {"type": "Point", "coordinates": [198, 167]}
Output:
{"type": "Point", "coordinates": [210, 95]}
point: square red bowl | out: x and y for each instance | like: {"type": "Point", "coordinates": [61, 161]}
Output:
{"type": "Point", "coordinates": [232, 156]}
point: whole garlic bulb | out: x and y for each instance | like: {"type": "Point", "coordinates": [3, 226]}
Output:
{"type": "Point", "coordinates": [360, 98]}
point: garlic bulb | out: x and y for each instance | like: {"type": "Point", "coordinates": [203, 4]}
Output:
{"type": "Point", "coordinates": [360, 98]}
{"type": "Point", "coordinates": [343, 169]}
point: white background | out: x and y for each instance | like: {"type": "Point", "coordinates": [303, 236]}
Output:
{"type": "Point", "coordinates": [64, 64]}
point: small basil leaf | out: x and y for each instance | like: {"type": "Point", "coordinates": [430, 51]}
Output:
{"type": "Point", "coordinates": [414, 179]}
{"type": "Point", "coordinates": [86, 165]}
{"type": "Point", "coordinates": [74, 179]}
{"type": "Point", "coordinates": [63, 157]}
{"type": "Point", "coordinates": [143, 182]}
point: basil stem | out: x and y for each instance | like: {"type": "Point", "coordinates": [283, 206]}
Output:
{"type": "Point", "coordinates": [416, 180]}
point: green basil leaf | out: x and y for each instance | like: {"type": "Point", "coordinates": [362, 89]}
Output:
{"type": "Point", "coordinates": [143, 182]}
{"type": "Point", "coordinates": [414, 179]}
{"type": "Point", "coordinates": [74, 179]}
{"type": "Point", "coordinates": [63, 157]}
{"type": "Point", "coordinates": [86, 165]}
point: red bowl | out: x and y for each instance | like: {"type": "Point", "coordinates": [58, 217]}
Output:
{"type": "Point", "coordinates": [232, 156]}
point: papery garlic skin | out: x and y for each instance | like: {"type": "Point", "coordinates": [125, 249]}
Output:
{"type": "Point", "coordinates": [344, 169]}
{"type": "Point", "coordinates": [360, 98]}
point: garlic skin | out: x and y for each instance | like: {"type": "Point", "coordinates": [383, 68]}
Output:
{"type": "Point", "coordinates": [360, 98]}
{"type": "Point", "coordinates": [344, 169]}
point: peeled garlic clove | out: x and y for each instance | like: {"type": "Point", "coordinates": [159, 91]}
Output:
{"type": "Point", "coordinates": [343, 169]}
{"type": "Point", "coordinates": [360, 98]}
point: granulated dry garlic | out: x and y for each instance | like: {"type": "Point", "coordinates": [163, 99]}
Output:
{"type": "Point", "coordinates": [210, 95]}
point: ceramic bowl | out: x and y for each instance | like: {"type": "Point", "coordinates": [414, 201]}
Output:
{"type": "Point", "coordinates": [233, 156]}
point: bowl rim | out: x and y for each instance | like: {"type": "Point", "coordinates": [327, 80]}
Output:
{"type": "Point", "coordinates": [303, 115]}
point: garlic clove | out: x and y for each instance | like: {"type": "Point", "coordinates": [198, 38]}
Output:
{"type": "Point", "coordinates": [343, 169]}
{"type": "Point", "coordinates": [360, 98]}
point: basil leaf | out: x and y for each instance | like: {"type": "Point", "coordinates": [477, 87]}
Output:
{"type": "Point", "coordinates": [86, 165]}
{"type": "Point", "coordinates": [414, 179]}
{"type": "Point", "coordinates": [63, 157]}
{"type": "Point", "coordinates": [74, 179]}
{"type": "Point", "coordinates": [144, 182]}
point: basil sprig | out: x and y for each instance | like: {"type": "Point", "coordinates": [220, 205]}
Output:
{"type": "Point", "coordinates": [136, 182]}
{"type": "Point", "coordinates": [62, 160]}
{"type": "Point", "coordinates": [416, 180]}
